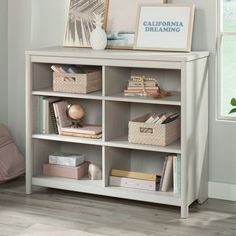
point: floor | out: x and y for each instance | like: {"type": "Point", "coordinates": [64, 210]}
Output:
{"type": "Point", "coordinates": [108, 216]}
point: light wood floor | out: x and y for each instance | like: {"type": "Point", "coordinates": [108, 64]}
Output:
{"type": "Point", "coordinates": [108, 216]}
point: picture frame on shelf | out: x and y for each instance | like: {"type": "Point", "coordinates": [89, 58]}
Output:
{"type": "Point", "coordinates": [165, 27]}
{"type": "Point", "coordinates": [80, 22]}
{"type": "Point", "coordinates": [121, 25]}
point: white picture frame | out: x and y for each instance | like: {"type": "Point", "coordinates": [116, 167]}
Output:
{"type": "Point", "coordinates": [80, 22]}
{"type": "Point", "coordinates": [165, 27]}
{"type": "Point", "coordinates": [121, 22]}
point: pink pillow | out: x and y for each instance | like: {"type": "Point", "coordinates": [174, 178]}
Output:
{"type": "Point", "coordinates": [12, 163]}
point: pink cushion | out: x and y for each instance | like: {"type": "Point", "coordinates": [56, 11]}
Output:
{"type": "Point", "coordinates": [12, 163]}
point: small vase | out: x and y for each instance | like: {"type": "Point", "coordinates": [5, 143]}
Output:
{"type": "Point", "coordinates": [98, 37]}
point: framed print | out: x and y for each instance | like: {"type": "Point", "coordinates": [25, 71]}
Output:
{"type": "Point", "coordinates": [166, 27]}
{"type": "Point", "coordinates": [80, 21]}
{"type": "Point", "coordinates": [121, 22]}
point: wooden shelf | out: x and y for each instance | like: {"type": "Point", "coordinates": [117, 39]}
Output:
{"type": "Point", "coordinates": [174, 99]}
{"type": "Point", "coordinates": [83, 185]}
{"type": "Point", "coordinates": [96, 187]}
{"type": "Point", "coordinates": [70, 139]}
{"type": "Point", "coordinates": [122, 142]}
{"type": "Point", "coordinates": [50, 93]}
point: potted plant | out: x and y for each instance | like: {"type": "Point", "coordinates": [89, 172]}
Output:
{"type": "Point", "coordinates": [233, 103]}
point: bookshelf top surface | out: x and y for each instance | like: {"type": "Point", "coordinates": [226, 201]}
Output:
{"type": "Point", "coordinates": [118, 54]}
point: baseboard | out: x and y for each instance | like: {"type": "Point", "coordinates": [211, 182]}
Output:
{"type": "Point", "coordinates": [222, 191]}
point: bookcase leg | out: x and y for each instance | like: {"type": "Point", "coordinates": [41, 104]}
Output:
{"type": "Point", "coordinates": [184, 212]}
{"type": "Point", "coordinates": [28, 188]}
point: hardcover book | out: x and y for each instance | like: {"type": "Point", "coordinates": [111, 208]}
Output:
{"type": "Point", "coordinates": [134, 175]}
{"type": "Point", "coordinates": [167, 174]}
{"type": "Point", "coordinates": [133, 183]}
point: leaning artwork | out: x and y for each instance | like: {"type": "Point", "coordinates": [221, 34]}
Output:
{"type": "Point", "coordinates": [80, 21]}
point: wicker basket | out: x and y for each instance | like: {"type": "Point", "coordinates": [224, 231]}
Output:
{"type": "Point", "coordinates": [153, 134]}
{"type": "Point", "coordinates": [77, 83]}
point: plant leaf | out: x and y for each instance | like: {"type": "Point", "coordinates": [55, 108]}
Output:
{"type": "Point", "coordinates": [233, 102]}
{"type": "Point", "coordinates": [232, 111]}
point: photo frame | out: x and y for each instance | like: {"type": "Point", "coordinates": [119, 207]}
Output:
{"type": "Point", "coordinates": [121, 24]}
{"type": "Point", "coordinates": [166, 27]}
{"type": "Point", "coordinates": [80, 21]}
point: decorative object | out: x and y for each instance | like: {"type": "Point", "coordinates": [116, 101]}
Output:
{"type": "Point", "coordinates": [80, 21]}
{"type": "Point", "coordinates": [75, 112]}
{"type": "Point", "coordinates": [165, 27]}
{"type": "Point", "coordinates": [94, 172]}
{"type": "Point", "coordinates": [121, 24]}
{"type": "Point", "coordinates": [98, 38]}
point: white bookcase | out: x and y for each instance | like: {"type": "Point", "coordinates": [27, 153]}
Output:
{"type": "Point", "coordinates": [186, 74]}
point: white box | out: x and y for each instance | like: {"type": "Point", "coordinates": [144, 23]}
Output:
{"type": "Point", "coordinates": [66, 159]}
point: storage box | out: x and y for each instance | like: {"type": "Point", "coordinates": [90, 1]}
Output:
{"type": "Point", "coordinates": [65, 159]}
{"type": "Point", "coordinates": [153, 134]}
{"type": "Point", "coordinates": [66, 171]}
{"type": "Point", "coordinates": [77, 83]}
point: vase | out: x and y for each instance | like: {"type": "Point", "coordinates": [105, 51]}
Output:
{"type": "Point", "coordinates": [98, 37]}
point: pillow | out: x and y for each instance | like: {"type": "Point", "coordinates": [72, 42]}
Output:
{"type": "Point", "coordinates": [12, 163]}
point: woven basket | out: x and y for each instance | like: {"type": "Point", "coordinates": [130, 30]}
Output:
{"type": "Point", "coordinates": [77, 83]}
{"type": "Point", "coordinates": [153, 134]}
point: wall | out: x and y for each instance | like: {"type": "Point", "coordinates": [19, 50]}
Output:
{"type": "Point", "coordinates": [3, 62]}
{"type": "Point", "coordinates": [39, 23]}
{"type": "Point", "coordinates": [31, 24]}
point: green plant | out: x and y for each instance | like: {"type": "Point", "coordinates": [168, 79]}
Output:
{"type": "Point", "coordinates": [233, 103]}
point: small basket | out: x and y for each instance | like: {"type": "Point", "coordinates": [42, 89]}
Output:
{"type": "Point", "coordinates": [153, 134]}
{"type": "Point", "coordinates": [77, 83]}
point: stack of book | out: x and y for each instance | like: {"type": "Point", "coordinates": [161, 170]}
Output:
{"type": "Point", "coordinates": [54, 119]}
{"type": "Point", "coordinates": [142, 86]}
{"type": "Point", "coordinates": [169, 180]}
{"type": "Point", "coordinates": [138, 180]}
{"type": "Point", "coordinates": [66, 165]}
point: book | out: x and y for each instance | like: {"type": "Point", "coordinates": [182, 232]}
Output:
{"type": "Point", "coordinates": [60, 114]}
{"type": "Point", "coordinates": [177, 174]}
{"type": "Point", "coordinates": [86, 129]}
{"type": "Point", "coordinates": [56, 68]}
{"type": "Point", "coordinates": [133, 183]}
{"type": "Point", "coordinates": [141, 88]}
{"type": "Point", "coordinates": [66, 159]}
{"type": "Point", "coordinates": [167, 174]}
{"type": "Point", "coordinates": [153, 90]}
{"type": "Point", "coordinates": [53, 117]}
{"type": "Point", "coordinates": [134, 175]}
{"type": "Point", "coordinates": [95, 136]}
{"type": "Point", "coordinates": [132, 83]}
{"type": "Point", "coordinates": [46, 115]}
{"type": "Point", "coordinates": [170, 118]}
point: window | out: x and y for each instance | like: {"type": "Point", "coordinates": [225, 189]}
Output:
{"type": "Point", "coordinates": [227, 56]}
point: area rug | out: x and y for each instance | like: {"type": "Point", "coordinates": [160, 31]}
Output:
{"type": "Point", "coordinates": [47, 230]}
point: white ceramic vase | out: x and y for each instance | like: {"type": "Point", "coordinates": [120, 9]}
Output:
{"type": "Point", "coordinates": [98, 37]}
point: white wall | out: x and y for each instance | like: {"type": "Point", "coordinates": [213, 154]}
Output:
{"type": "Point", "coordinates": [42, 22]}
{"type": "Point", "coordinates": [31, 24]}
{"type": "Point", "coordinates": [3, 61]}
